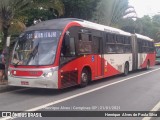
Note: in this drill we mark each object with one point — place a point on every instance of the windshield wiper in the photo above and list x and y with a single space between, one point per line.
16 64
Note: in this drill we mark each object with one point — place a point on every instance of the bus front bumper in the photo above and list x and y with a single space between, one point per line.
50 82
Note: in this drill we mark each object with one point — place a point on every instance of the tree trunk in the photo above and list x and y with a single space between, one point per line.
6 48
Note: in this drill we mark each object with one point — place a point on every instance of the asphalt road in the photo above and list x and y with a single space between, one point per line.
139 91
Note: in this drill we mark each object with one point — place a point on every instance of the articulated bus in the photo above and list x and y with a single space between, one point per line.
65 52
157 46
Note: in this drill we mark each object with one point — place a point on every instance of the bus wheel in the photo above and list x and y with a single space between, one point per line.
84 78
148 65
126 69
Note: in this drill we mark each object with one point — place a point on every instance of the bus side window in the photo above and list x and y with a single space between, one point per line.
72 47
140 46
68 46
110 44
84 43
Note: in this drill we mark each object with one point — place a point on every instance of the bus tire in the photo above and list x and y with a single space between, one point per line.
148 65
126 69
84 78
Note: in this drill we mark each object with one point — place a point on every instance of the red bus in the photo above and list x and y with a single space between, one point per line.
65 52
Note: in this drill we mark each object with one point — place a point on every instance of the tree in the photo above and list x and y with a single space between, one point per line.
146 26
55 6
110 12
9 9
16 27
82 9
128 25
43 10
156 20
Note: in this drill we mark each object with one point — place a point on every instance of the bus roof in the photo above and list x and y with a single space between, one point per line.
143 37
52 24
62 22
103 28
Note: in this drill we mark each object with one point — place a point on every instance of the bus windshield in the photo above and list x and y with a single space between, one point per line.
36 48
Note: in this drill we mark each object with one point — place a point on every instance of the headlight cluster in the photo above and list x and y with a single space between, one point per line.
49 74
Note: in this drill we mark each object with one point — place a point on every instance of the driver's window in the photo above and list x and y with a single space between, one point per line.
68 46
68 51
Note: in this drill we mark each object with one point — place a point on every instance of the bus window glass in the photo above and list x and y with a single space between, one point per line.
36 48
68 46
72 46
139 45
85 44
96 44
110 45
85 37
111 48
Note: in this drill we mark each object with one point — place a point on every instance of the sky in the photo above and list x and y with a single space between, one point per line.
146 7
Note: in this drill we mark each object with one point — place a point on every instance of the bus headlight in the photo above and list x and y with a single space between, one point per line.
49 74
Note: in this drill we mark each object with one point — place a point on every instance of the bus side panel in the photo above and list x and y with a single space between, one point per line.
70 73
115 63
144 58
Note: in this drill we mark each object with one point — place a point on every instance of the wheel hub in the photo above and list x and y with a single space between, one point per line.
84 77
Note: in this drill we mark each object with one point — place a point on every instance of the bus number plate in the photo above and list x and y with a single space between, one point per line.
24 83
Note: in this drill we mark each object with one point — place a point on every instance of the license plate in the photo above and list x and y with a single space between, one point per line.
24 83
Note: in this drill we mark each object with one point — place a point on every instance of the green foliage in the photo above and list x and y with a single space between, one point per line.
146 26
156 20
35 14
82 9
110 12
16 27
9 10
127 25
50 9
107 12
52 5
42 9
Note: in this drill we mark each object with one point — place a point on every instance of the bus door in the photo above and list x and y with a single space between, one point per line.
134 52
99 58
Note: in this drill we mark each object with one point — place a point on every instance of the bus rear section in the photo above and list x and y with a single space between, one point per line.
143 52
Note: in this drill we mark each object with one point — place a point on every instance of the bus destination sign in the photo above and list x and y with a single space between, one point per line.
41 34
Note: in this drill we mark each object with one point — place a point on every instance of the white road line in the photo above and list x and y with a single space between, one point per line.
156 108
83 93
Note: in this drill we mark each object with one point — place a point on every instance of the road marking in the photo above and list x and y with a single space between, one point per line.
80 94
156 108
